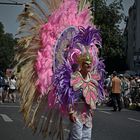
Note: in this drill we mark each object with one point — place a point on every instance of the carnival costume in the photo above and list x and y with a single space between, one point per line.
53 45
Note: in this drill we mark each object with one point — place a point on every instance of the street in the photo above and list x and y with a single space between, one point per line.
107 125
124 125
64 57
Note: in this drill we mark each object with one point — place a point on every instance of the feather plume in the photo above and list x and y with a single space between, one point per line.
52 5
40 9
40 30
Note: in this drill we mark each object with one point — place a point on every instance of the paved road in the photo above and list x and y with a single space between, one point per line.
124 125
11 124
108 125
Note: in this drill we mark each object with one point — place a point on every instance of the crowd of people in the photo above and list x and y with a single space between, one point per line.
122 90
7 89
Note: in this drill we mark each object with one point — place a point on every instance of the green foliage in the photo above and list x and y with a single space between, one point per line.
1 29
7 49
107 18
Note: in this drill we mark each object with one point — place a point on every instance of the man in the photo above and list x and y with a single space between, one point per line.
2 83
81 114
12 89
116 92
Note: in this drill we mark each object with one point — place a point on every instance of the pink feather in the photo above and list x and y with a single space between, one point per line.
66 15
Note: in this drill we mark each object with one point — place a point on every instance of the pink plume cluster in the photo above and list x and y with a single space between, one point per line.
66 15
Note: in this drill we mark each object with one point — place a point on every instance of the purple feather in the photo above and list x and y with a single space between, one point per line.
87 36
64 92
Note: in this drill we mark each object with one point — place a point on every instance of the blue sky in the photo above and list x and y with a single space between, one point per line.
8 14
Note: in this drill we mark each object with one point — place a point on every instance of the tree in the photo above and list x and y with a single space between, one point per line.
107 18
1 29
7 49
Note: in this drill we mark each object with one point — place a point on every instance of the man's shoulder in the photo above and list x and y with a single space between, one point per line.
75 74
113 78
116 78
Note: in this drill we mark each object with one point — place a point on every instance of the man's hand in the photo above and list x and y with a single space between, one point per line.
91 112
72 117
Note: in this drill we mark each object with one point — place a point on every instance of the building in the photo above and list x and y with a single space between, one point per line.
132 37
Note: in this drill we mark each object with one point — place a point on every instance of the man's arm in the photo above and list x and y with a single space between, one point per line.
71 112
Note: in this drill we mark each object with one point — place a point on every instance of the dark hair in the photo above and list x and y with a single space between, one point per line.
13 76
114 73
74 67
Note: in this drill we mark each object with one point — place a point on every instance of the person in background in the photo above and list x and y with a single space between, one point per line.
116 92
107 84
1 95
6 89
2 83
12 88
133 87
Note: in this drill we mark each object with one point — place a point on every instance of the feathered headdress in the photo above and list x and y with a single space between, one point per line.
52 46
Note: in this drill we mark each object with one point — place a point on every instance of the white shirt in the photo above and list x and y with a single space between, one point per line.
12 84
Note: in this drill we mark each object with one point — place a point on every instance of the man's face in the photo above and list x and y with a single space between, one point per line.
86 66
